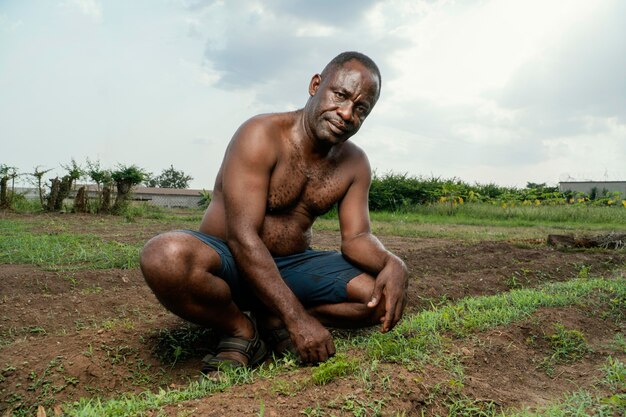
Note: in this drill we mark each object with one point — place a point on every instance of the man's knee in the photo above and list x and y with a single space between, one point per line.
163 259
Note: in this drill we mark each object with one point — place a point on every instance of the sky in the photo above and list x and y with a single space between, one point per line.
493 91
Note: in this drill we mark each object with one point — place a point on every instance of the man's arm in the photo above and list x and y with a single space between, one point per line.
246 175
362 248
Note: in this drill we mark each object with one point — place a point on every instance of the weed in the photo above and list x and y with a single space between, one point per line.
615 373
619 343
116 323
119 353
566 346
336 367
467 407
37 330
177 344
312 412
360 408
282 387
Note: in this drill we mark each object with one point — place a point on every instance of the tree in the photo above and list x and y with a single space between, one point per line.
104 181
169 178
6 173
38 174
60 189
125 178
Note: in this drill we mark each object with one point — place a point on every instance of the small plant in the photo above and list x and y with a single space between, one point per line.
312 412
205 199
334 368
566 345
615 373
467 407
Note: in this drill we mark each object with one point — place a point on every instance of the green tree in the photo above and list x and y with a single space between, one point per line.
38 174
6 173
169 178
104 181
60 189
125 177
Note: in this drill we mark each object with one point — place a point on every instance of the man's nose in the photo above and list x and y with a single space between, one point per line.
345 111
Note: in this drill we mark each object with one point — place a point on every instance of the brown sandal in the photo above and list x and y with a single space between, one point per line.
254 349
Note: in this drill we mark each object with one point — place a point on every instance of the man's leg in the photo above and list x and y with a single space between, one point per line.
353 313
180 270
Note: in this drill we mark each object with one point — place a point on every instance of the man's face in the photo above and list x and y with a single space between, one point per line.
340 101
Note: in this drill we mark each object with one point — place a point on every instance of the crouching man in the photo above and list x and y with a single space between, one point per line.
252 252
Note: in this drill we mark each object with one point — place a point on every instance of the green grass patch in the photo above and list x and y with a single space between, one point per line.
336 367
480 221
420 334
66 251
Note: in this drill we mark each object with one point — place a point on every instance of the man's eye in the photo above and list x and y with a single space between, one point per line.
340 95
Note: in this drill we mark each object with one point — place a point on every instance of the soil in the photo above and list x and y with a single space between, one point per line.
73 334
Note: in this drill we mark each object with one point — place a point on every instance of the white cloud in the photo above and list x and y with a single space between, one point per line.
89 8
9 25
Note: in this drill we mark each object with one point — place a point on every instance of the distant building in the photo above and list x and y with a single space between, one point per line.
588 186
162 197
167 197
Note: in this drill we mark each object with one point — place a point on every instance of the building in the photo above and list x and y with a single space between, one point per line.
167 197
162 197
587 187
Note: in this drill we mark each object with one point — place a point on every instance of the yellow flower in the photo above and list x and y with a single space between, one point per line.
610 202
503 205
537 202
624 203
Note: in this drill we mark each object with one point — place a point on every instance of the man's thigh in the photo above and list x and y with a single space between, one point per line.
318 277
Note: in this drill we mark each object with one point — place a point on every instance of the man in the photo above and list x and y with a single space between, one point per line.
279 173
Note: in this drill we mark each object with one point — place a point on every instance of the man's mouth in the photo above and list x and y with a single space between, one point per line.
338 129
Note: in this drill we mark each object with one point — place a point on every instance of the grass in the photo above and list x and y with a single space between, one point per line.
415 338
422 338
477 221
66 251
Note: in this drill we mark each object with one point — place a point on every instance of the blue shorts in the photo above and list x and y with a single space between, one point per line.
315 277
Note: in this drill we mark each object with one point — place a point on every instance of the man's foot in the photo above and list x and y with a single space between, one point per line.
279 341
237 352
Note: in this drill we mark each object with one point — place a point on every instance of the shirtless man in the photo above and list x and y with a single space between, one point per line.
280 172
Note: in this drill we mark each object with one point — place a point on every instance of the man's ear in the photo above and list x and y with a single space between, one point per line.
314 84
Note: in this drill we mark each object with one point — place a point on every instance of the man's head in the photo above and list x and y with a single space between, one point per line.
344 57
341 97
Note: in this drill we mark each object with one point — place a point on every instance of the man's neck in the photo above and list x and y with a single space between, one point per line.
312 147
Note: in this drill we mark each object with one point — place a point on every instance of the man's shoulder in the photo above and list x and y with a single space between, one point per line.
270 121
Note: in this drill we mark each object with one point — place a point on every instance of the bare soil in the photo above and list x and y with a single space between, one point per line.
85 333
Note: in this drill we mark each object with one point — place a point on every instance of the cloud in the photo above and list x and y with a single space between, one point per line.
7 24
89 8
276 47
581 76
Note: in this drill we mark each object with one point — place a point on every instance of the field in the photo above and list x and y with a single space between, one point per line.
497 324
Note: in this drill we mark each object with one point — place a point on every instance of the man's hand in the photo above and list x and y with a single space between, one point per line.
391 284
311 339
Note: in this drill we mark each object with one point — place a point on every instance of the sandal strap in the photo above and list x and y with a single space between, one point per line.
236 344
253 349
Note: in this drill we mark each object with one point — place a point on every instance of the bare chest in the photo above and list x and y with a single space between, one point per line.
313 188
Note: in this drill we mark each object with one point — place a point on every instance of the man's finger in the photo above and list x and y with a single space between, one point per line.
376 295
389 311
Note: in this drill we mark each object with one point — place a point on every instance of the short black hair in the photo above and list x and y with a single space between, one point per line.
344 57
